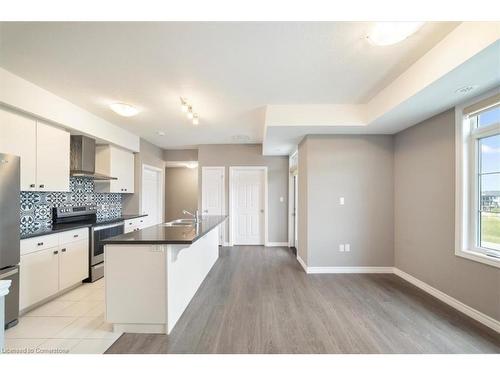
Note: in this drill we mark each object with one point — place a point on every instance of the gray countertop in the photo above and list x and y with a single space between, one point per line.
160 234
55 228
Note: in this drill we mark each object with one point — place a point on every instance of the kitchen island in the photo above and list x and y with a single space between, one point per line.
152 274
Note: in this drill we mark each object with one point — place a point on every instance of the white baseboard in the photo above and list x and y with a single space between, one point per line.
302 263
456 304
276 244
312 270
349 270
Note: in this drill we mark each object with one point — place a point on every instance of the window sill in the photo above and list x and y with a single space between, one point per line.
478 257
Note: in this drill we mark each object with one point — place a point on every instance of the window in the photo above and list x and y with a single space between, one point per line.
478 181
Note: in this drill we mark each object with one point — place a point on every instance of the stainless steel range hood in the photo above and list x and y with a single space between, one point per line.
82 158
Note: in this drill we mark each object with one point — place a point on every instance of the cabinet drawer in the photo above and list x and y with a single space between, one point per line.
74 235
30 245
131 223
137 222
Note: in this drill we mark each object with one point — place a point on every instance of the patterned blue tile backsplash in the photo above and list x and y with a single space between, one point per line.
36 207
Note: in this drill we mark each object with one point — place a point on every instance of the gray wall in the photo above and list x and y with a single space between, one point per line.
360 169
151 155
251 155
181 192
180 155
425 217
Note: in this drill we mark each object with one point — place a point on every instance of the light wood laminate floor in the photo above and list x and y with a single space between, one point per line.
259 300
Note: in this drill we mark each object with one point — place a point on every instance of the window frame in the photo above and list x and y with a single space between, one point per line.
467 189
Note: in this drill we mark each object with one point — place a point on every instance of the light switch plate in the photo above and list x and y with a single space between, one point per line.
341 248
341 201
282 200
347 247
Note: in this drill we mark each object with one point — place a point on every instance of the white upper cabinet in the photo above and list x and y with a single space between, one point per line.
18 137
115 162
44 151
52 158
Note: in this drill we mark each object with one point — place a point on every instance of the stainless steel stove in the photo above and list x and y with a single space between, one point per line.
99 230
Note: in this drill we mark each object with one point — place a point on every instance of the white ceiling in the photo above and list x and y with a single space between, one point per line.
229 71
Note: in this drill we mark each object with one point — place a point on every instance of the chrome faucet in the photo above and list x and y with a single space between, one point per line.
196 215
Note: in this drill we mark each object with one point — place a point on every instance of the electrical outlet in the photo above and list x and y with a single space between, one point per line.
341 248
347 247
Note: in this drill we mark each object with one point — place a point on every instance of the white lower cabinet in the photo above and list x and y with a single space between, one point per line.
38 276
73 263
45 271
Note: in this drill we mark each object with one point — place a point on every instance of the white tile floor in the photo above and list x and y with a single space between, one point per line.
72 323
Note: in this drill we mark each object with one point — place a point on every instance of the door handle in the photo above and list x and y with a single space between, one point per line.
10 273
32 185
75 235
39 244
63 250
56 252
42 186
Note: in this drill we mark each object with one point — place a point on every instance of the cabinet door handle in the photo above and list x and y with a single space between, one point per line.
39 244
42 186
63 250
56 252
75 235
32 185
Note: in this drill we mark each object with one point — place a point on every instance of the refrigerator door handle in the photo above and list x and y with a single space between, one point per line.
10 273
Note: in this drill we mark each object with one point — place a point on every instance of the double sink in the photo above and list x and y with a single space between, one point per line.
181 223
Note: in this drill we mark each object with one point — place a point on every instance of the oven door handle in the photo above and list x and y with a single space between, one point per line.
97 229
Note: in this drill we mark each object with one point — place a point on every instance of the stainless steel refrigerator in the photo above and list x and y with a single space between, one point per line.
10 180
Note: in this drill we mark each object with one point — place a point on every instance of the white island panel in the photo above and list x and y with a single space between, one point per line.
187 268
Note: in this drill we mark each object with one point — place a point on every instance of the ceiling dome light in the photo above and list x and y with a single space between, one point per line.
124 109
191 165
196 119
387 33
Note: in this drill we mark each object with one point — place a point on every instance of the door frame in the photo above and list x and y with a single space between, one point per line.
293 187
232 169
161 190
223 169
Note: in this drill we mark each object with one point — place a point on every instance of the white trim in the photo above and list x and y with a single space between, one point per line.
302 263
465 185
456 304
223 240
277 244
161 193
291 201
231 194
312 270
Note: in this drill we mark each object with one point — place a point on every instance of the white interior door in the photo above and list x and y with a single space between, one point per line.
248 200
213 194
152 195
